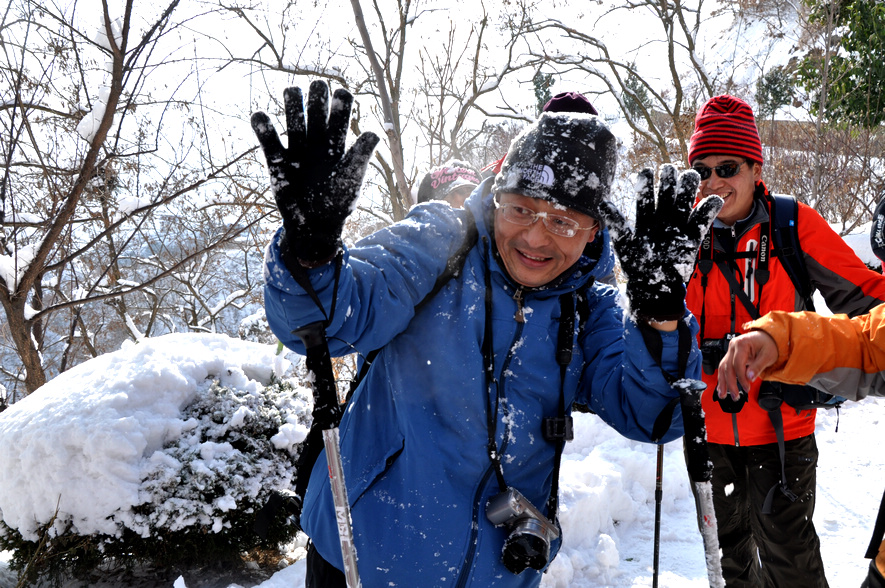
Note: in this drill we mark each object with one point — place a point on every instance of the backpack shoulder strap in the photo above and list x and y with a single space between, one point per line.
456 262
454 265
784 212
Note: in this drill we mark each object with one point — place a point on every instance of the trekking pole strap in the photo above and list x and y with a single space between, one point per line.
326 409
655 345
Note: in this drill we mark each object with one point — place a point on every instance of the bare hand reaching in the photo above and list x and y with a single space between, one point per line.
747 356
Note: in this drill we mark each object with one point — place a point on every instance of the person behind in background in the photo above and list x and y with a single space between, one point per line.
562 102
452 182
464 412
839 355
763 499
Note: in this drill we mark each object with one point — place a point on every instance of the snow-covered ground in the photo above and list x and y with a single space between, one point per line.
608 507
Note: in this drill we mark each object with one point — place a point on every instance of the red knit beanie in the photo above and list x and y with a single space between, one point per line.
725 126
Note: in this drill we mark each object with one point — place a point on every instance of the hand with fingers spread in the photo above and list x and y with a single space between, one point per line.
314 181
748 356
658 255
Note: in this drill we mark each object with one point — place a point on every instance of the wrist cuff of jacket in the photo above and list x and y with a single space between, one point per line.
658 307
658 317
300 257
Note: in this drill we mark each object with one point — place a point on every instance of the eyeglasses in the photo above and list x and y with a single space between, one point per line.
555 223
724 171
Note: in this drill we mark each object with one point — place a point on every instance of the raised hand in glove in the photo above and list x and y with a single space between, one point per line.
658 255
313 180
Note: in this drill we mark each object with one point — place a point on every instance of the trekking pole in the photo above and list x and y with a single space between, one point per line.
659 495
326 414
700 471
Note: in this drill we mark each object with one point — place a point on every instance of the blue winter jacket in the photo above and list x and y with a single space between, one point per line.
414 438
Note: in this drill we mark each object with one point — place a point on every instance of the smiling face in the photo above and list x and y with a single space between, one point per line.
737 191
532 254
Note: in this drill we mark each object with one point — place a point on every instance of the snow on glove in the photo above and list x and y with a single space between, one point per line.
314 181
658 255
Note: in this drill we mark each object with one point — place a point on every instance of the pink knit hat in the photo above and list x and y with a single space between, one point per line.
725 126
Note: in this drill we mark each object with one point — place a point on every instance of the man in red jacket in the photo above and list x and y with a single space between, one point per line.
763 497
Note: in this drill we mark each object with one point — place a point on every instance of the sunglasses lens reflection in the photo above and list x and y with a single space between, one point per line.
724 171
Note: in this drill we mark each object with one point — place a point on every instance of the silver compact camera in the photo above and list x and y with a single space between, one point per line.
528 545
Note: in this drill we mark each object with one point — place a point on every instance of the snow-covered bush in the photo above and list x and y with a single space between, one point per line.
234 448
161 453
255 328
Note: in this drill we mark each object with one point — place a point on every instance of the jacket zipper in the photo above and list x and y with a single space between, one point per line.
519 316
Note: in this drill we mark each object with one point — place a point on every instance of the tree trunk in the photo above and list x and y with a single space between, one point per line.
401 200
25 346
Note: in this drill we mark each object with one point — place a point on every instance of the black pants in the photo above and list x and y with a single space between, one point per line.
322 574
775 550
874 578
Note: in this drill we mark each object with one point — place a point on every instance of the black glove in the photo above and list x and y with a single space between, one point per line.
877 231
658 255
314 181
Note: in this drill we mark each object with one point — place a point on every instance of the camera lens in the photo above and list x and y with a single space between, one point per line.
730 405
526 547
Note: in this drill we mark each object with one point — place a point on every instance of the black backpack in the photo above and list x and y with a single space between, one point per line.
784 212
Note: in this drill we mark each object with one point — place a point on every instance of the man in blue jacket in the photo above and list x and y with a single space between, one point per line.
465 410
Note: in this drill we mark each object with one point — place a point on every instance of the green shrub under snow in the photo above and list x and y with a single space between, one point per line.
234 442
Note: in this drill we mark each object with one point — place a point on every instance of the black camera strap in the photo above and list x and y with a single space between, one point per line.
557 429
488 355
777 420
738 291
711 257
562 431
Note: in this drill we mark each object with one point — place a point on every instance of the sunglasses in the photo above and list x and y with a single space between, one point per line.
724 171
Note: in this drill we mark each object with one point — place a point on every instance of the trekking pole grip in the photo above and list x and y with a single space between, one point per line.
326 407
700 469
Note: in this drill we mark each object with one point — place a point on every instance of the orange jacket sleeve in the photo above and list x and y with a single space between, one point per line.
839 355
